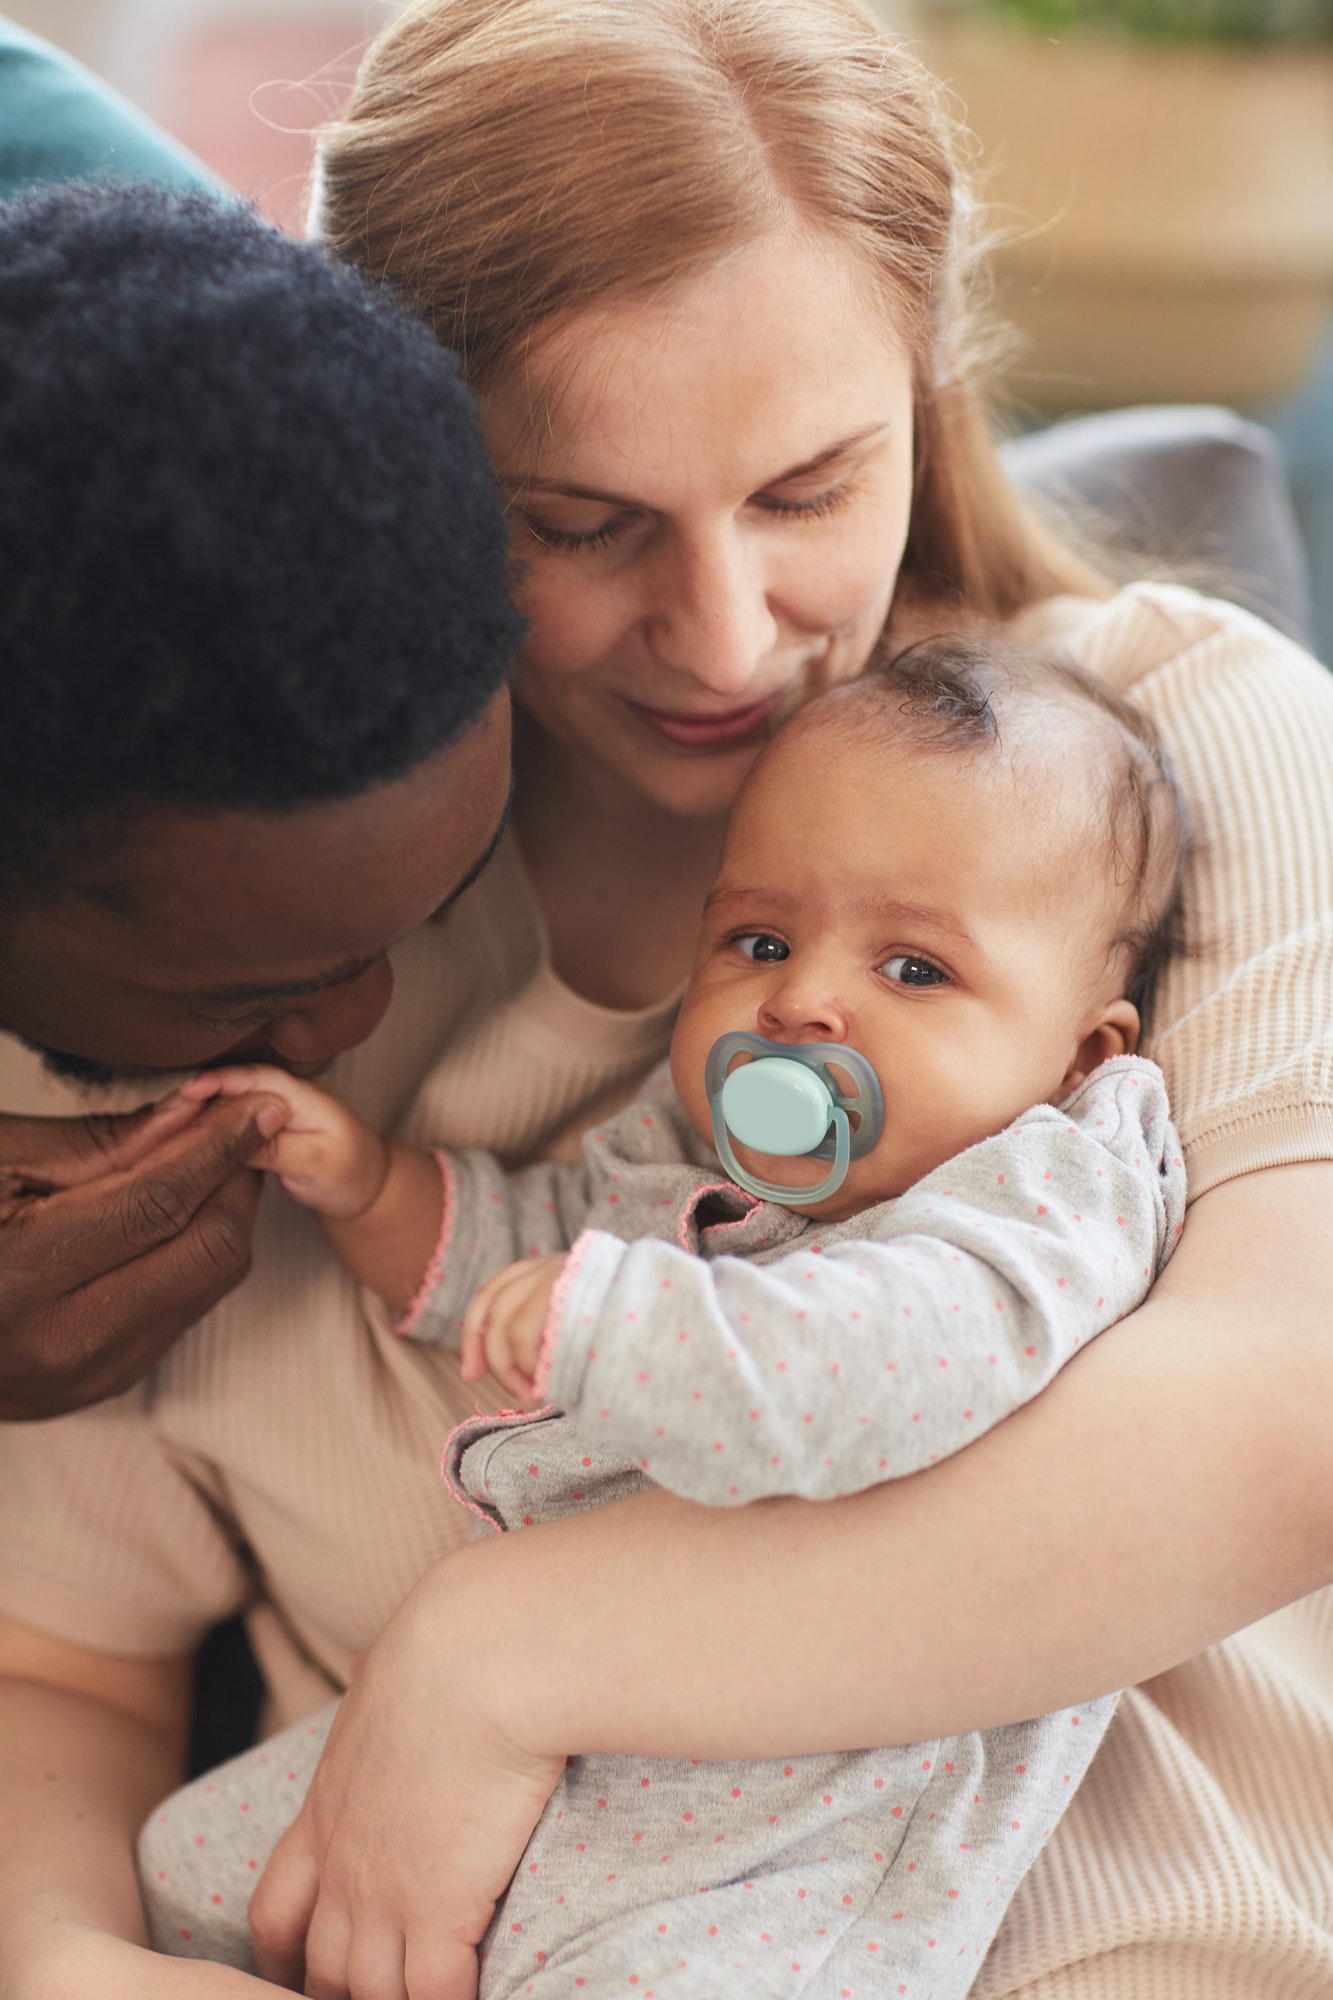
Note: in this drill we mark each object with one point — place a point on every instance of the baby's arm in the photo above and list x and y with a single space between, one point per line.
830 1370
424 1230
380 1201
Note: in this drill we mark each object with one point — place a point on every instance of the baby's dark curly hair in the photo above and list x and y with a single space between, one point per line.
964 693
251 553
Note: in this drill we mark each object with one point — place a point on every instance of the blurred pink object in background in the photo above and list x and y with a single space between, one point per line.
247 97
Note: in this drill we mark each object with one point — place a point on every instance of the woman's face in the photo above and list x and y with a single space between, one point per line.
709 511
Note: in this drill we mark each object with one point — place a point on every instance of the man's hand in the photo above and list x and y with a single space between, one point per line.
502 1328
115 1235
324 1155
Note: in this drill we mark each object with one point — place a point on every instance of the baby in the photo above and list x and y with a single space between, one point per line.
945 893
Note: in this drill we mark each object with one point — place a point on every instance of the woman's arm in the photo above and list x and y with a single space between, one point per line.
88 1743
1171 1485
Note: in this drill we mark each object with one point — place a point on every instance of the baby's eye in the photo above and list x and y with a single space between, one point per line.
762 947
910 971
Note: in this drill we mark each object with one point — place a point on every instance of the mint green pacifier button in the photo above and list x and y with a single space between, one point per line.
776 1106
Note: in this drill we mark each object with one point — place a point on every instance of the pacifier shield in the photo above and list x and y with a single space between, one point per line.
791 1099
776 1106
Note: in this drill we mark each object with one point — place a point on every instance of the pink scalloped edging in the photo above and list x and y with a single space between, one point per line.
698 1194
541 1374
483 1423
435 1269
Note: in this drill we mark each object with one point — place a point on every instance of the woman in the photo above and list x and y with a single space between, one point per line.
707 265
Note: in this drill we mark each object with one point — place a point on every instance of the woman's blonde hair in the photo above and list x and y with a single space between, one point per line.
506 163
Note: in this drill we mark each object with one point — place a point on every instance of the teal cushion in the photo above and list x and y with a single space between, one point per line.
59 123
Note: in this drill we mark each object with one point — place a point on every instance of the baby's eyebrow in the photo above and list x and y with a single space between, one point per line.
941 923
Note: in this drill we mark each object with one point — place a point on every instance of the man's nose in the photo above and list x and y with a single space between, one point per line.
711 618
322 1025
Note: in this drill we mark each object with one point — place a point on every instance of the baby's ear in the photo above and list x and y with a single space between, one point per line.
1114 1033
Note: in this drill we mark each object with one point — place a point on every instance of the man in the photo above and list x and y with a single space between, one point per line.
254 635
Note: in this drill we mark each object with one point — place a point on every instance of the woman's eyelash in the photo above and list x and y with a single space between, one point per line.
577 541
809 510
568 539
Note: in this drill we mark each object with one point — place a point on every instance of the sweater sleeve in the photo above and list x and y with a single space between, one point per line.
492 1218
849 1361
1242 1024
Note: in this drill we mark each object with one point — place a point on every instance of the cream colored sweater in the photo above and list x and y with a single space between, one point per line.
284 1456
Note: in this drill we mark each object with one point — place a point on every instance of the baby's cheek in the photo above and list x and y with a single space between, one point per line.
689 1054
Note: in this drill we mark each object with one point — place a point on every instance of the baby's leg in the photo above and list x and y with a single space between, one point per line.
825 1878
203 1850
732 1880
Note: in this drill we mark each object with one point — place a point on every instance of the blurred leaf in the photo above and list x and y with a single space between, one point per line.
1257 22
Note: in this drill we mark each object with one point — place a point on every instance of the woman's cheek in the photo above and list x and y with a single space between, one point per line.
572 620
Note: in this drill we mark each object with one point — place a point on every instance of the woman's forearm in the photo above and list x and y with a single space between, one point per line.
1169 1487
78 1777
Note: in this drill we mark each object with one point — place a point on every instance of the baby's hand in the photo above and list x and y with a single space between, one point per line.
502 1328
324 1156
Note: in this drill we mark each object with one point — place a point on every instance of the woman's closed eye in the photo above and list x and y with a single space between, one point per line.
812 507
576 540
906 969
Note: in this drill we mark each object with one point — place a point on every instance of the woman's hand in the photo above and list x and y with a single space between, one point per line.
115 1235
419 1812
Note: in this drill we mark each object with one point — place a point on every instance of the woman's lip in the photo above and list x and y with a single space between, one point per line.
707 732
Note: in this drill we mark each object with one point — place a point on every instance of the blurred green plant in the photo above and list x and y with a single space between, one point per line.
1255 22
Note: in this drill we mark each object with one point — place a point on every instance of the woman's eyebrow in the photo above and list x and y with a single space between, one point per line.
524 482
830 452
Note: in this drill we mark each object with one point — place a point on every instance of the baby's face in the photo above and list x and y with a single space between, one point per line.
932 909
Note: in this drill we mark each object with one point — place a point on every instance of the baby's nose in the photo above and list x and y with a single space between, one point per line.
804 1011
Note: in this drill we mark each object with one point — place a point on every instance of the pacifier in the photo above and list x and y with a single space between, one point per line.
787 1100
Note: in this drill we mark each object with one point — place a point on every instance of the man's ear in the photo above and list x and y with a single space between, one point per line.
1115 1032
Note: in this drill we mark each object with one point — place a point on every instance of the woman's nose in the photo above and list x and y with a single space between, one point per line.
320 1026
712 620
804 1009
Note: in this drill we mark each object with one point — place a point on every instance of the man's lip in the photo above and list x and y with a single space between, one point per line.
708 731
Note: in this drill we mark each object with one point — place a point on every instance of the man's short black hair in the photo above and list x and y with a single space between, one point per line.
251 553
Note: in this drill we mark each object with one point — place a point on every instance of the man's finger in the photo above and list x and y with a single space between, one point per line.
104 1336
64 1152
103 1224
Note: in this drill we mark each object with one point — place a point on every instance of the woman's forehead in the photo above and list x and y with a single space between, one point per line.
773 348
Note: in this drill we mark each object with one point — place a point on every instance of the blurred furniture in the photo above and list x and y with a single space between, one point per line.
1196 488
1161 191
59 122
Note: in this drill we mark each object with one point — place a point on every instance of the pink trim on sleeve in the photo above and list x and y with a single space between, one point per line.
481 1425
555 1307
435 1269
698 1194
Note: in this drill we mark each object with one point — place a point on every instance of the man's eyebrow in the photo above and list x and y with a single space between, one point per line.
520 482
294 989
352 968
